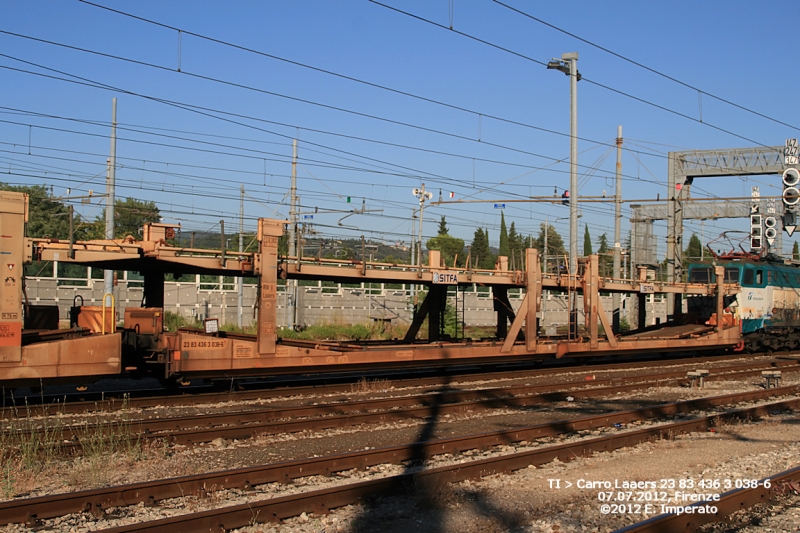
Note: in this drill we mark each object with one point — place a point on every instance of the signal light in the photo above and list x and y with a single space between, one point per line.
756 242
791 177
791 194
791 199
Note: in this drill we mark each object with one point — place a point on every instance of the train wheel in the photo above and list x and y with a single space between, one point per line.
751 345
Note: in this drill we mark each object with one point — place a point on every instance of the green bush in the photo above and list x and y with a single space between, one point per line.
173 321
339 332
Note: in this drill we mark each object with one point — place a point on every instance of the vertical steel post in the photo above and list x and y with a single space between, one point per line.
422 195
291 285
615 299
72 234
108 275
422 199
413 260
240 299
572 59
544 256
719 272
222 242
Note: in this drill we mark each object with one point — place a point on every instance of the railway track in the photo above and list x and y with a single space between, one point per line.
59 405
729 503
247 423
33 510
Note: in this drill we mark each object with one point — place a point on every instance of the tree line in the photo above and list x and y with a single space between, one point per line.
513 245
48 217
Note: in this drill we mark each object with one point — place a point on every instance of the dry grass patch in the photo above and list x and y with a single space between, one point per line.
371 385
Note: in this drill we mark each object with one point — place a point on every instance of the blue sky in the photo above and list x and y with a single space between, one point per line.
375 145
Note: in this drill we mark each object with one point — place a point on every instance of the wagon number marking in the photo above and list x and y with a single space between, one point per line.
203 344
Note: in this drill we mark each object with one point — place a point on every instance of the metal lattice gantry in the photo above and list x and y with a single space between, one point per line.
643 242
685 166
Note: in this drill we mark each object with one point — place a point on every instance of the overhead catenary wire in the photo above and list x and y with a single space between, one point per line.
465 222
584 78
261 154
480 114
437 102
208 112
647 68
122 126
633 178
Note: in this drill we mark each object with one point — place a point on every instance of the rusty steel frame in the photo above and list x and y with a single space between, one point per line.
31 509
191 354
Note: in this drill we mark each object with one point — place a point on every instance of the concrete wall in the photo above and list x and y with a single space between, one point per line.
316 305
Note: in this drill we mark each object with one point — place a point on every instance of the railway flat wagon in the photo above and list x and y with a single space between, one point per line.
32 348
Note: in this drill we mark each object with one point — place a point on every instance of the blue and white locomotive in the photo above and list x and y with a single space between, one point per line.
768 306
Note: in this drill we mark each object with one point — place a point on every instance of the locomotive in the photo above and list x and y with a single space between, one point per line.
768 305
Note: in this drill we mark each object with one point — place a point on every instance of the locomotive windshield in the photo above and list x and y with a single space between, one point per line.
706 275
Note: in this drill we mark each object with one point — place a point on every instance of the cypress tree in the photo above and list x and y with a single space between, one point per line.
442 227
587 241
503 236
514 240
482 257
694 249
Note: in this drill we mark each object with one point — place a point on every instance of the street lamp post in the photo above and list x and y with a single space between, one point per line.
422 195
568 64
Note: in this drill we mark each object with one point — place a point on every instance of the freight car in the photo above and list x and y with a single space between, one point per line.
768 306
34 350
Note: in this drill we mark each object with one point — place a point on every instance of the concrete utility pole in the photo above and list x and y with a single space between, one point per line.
291 285
241 249
617 232
108 275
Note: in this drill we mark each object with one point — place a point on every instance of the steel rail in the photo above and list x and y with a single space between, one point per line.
248 423
729 502
31 510
57 407
234 516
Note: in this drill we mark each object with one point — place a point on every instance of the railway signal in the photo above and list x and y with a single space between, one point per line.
756 243
791 197
770 231
756 229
